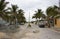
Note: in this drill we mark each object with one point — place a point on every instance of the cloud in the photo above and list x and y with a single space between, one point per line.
33 5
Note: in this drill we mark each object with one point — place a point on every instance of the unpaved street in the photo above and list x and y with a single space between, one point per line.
34 32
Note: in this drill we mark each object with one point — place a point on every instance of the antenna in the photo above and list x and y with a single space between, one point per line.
59 3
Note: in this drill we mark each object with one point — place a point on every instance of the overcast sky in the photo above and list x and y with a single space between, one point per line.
33 5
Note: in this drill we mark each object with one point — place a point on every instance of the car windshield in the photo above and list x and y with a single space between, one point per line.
42 22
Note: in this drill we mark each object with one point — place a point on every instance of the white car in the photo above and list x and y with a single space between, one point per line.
42 23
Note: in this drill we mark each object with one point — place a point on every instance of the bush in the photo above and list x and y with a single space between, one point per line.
9 29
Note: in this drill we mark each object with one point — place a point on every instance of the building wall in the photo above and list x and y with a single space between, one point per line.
57 25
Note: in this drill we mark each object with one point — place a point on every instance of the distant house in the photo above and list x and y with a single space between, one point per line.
57 21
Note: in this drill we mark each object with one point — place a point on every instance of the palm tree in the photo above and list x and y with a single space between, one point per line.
14 12
44 16
38 14
51 13
3 5
20 16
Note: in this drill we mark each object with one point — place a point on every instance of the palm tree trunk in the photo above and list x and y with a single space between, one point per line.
36 21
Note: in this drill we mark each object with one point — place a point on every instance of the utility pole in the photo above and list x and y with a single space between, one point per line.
29 25
29 17
59 3
59 6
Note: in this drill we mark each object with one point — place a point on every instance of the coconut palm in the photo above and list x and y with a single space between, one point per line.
43 16
13 10
38 14
51 13
20 16
3 5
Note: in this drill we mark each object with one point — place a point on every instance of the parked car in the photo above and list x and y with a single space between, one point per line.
42 24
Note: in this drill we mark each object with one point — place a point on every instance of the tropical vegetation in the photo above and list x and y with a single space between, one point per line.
39 14
14 15
51 12
11 15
